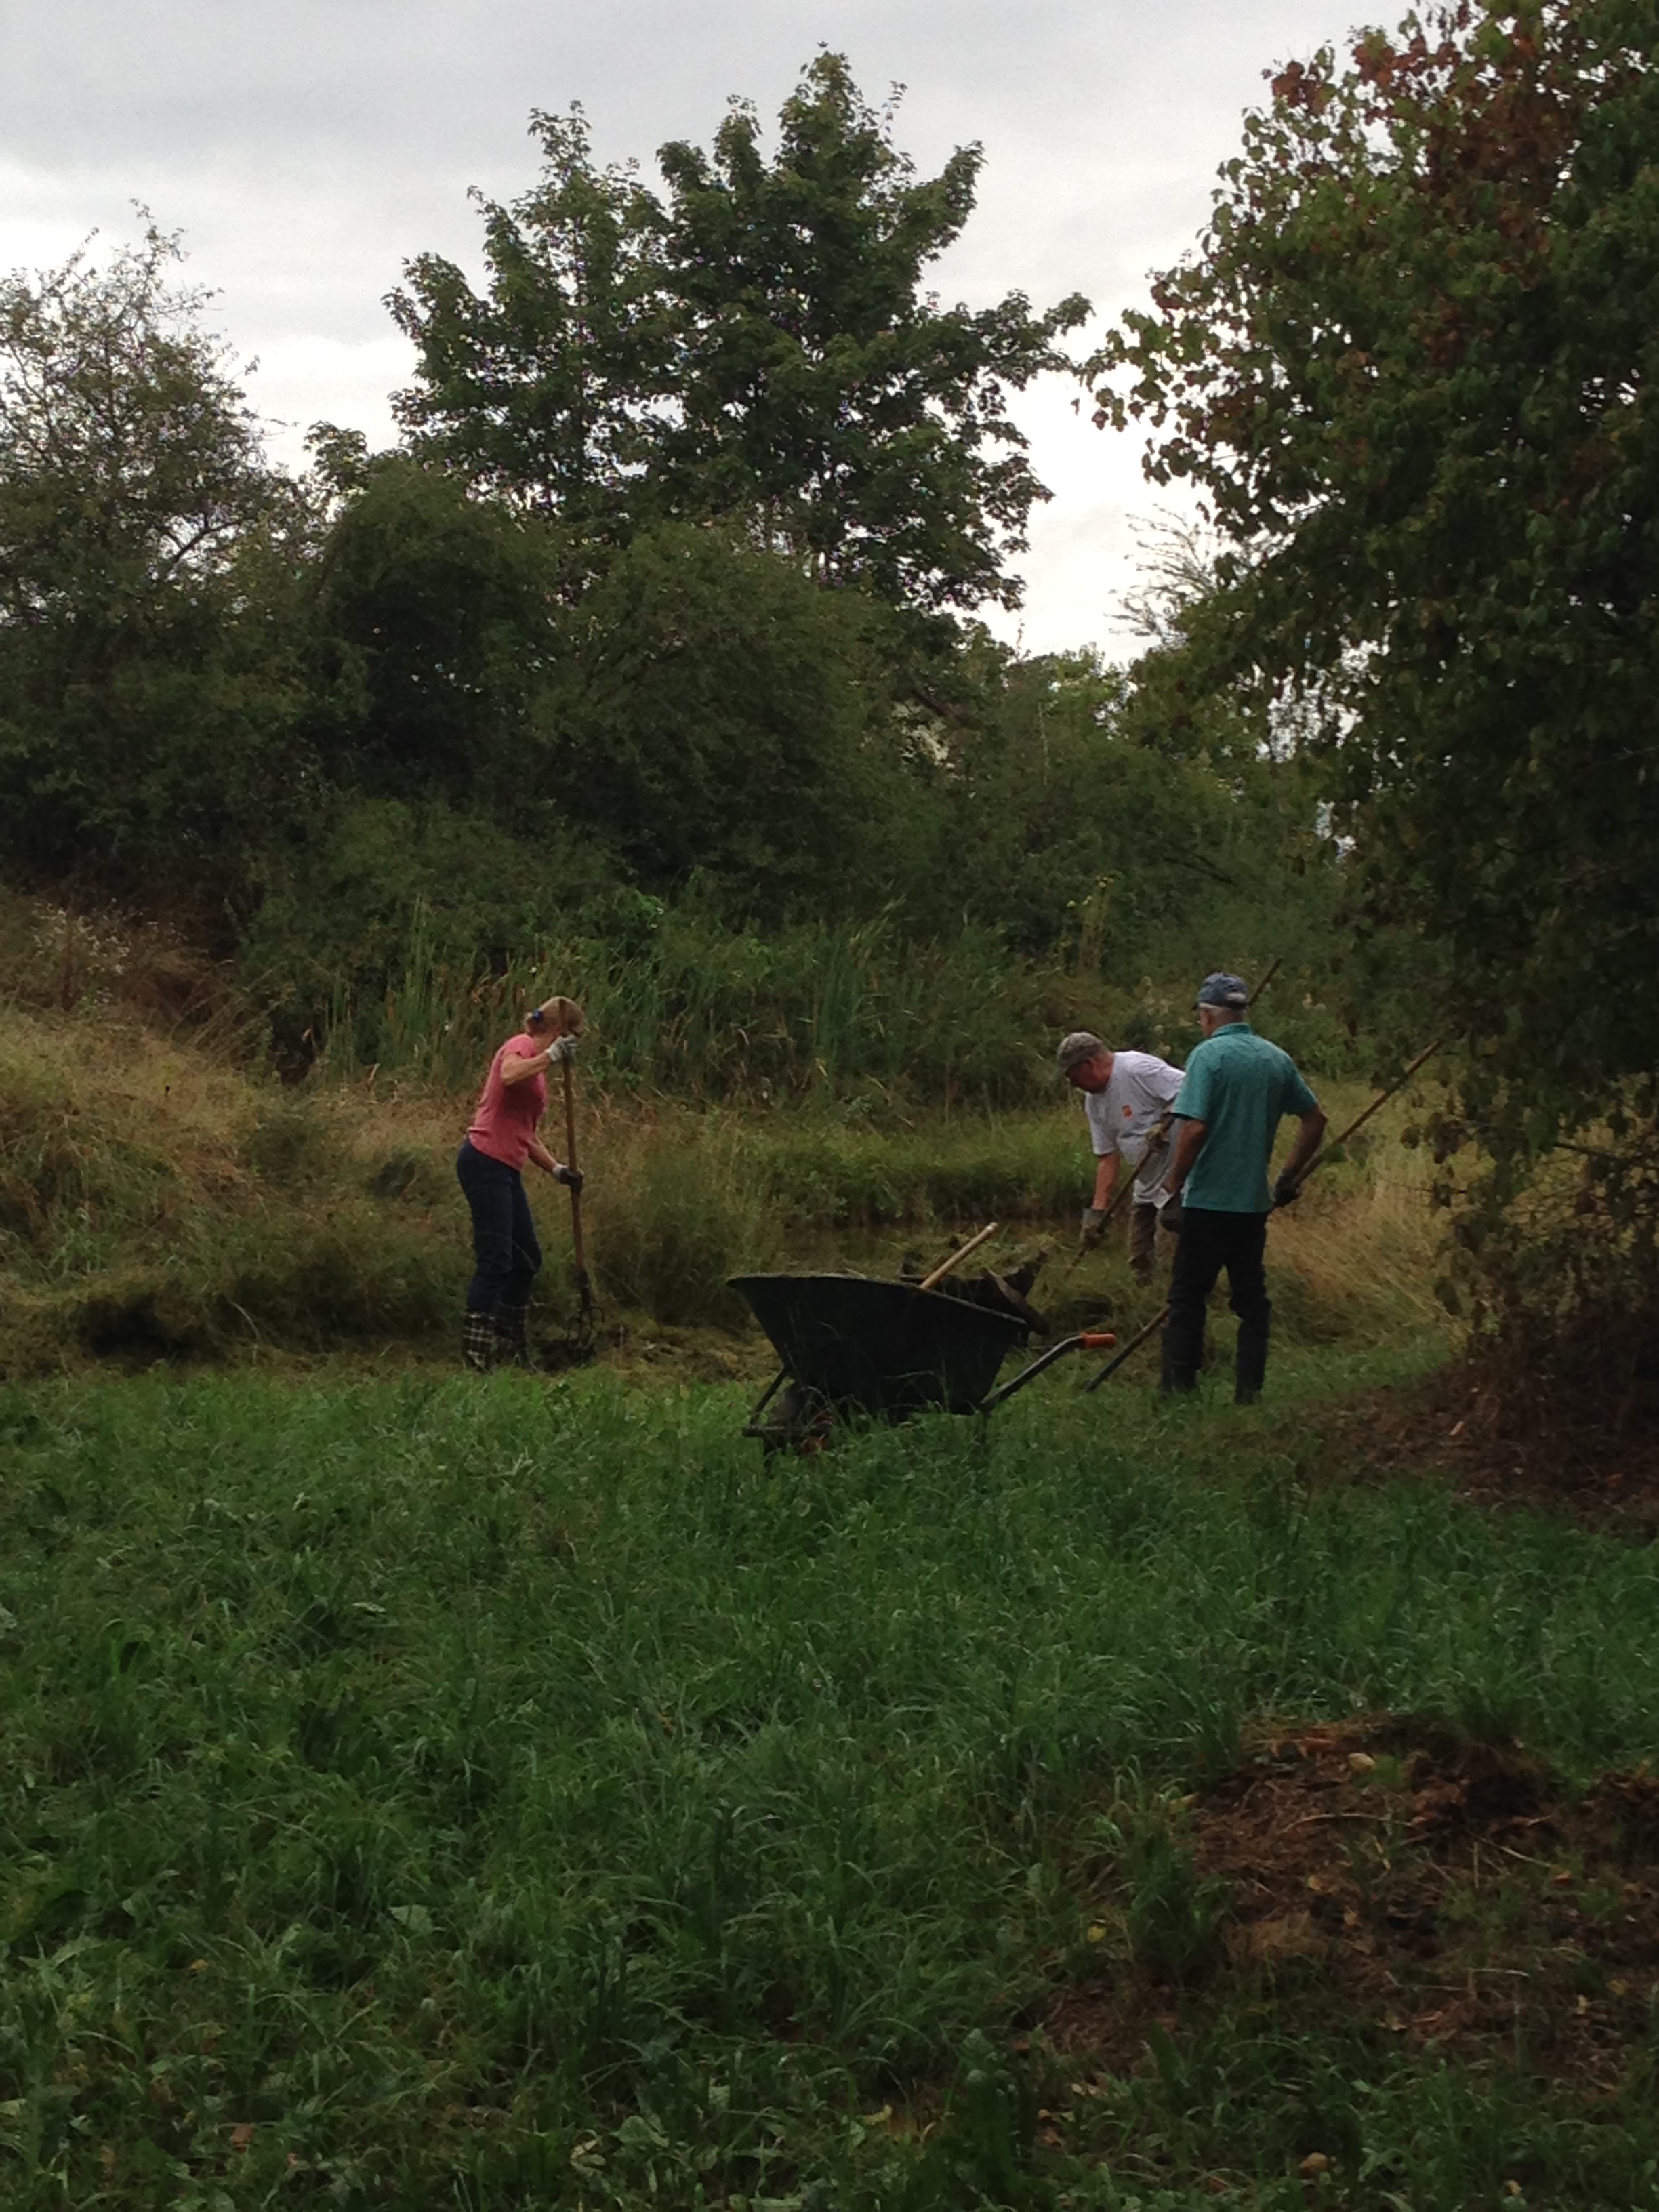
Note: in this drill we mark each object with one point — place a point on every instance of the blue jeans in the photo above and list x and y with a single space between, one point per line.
504 1246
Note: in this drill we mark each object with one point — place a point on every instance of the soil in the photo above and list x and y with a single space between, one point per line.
1445 1424
1451 1892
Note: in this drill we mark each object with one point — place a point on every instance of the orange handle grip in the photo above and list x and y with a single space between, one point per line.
1090 1340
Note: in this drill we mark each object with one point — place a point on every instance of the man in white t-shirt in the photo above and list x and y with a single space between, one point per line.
1127 1097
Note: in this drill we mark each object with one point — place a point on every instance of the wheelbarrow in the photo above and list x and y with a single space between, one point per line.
856 1347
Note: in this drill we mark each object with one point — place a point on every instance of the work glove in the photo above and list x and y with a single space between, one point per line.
1169 1216
1093 1229
1287 1189
570 1178
561 1050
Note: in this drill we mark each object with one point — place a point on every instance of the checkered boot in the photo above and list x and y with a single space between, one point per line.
478 1342
512 1342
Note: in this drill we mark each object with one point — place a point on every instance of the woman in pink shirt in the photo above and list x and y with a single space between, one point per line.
490 1170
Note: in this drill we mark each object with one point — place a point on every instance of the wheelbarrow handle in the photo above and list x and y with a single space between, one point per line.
1089 1341
1132 1347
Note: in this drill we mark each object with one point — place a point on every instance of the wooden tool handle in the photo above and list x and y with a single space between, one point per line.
957 1258
570 1162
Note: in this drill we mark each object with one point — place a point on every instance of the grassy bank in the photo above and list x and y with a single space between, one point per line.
504 1795
159 1201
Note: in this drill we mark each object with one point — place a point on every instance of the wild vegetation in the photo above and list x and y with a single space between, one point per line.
1406 365
426 1791
161 1200
434 1792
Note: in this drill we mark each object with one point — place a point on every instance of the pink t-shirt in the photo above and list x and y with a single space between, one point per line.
504 1120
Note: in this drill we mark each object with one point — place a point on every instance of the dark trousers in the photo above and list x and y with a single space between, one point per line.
1208 1242
504 1246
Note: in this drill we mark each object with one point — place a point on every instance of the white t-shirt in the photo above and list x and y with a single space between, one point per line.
1142 1090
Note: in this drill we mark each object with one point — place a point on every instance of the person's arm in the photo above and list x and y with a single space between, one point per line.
1190 1142
1106 1168
1310 1131
514 1070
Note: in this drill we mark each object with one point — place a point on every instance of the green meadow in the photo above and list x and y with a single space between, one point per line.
504 1793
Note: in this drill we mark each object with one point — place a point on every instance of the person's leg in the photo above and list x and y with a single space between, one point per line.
1199 1251
1247 1294
487 1186
512 1308
1143 1233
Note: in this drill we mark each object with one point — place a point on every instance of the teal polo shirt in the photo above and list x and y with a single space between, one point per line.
1240 1087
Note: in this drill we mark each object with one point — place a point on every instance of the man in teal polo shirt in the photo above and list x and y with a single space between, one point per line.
1237 1090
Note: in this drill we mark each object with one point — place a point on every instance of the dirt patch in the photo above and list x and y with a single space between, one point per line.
1444 1425
1450 1893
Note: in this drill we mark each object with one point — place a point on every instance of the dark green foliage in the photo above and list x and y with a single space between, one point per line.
432 630
714 715
820 390
639 663
546 391
756 348
1410 367
147 679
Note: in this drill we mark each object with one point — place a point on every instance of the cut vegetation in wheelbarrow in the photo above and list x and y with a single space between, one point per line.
853 1347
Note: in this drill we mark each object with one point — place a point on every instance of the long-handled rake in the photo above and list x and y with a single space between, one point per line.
581 1343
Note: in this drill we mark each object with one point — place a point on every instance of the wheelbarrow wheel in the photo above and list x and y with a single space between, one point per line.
798 1422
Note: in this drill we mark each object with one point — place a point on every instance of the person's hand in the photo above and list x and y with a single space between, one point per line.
570 1178
561 1050
1092 1229
1169 1215
1287 1189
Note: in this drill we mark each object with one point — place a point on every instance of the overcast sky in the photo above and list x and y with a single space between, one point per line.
306 148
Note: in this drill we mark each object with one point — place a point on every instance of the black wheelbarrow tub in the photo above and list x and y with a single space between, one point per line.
882 1348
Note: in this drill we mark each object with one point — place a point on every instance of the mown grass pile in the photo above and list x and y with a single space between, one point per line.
498 1794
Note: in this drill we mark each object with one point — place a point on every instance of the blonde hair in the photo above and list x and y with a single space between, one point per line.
566 1012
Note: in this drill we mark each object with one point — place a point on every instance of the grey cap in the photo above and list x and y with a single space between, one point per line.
1224 990
1081 1045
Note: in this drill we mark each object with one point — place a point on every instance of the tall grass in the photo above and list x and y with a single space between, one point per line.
686 1007
465 1795
157 1202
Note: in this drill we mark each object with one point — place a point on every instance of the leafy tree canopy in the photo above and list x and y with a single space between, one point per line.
130 463
1411 367
756 346
144 658
431 629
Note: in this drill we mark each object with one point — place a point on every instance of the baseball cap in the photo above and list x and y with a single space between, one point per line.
1224 990
1081 1045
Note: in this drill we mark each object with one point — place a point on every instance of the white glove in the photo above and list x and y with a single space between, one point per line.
561 1050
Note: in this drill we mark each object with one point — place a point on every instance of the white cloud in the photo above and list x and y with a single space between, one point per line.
306 151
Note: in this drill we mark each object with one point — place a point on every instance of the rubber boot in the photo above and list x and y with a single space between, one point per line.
478 1342
1176 1379
512 1335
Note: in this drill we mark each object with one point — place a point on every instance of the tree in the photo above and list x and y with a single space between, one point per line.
819 391
712 713
549 389
755 349
432 615
138 688
1412 366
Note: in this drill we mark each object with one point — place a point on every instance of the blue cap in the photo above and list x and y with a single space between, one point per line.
1224 990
